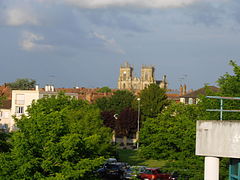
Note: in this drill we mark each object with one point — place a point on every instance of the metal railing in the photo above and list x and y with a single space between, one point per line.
221 110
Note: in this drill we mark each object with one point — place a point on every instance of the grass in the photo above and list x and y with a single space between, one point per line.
131 157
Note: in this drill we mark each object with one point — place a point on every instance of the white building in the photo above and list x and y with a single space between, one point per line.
21 99
5 114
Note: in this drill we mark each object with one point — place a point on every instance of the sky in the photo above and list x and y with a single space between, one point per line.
83 43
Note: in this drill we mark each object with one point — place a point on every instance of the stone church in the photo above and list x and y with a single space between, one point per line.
127 80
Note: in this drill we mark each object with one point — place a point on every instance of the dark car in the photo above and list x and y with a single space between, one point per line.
156 174
113 170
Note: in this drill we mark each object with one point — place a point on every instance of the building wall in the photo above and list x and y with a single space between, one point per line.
5 115
21 99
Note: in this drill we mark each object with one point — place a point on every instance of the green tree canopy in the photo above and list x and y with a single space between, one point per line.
171 136
153 100
119 101
22 84
4 142
60 138
230 84
104 89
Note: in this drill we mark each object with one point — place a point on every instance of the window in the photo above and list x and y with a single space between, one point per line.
190 101
124 86
20 99
19 109
4 114
182 100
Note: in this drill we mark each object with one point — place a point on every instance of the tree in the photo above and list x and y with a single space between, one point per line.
153 100
171 136
120 100
22 84
4 142
60 138
230 84
103 104
120 104
127 122
229 87
104 89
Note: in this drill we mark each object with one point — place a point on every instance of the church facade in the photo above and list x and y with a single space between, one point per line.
127 80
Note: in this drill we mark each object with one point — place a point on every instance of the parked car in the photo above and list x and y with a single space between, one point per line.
114 170
111 160
156 174
134 172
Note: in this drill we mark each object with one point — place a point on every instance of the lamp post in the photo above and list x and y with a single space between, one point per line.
114 133
138 122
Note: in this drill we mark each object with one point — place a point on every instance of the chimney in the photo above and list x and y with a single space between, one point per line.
164 78
184 89
36 87
165 82
51 88
47 88
181 90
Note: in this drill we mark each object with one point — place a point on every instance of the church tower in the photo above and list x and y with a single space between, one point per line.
147 76
125 76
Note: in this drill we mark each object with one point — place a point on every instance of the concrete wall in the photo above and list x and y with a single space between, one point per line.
218 138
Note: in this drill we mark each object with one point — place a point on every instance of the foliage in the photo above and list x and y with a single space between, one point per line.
108 119
230 87
127 122
4 142
160 136
230 84
153 100
119 103
120 100
104 89
171 136
61 138
104 104
22 84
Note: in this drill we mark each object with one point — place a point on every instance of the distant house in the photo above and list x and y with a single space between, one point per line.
193 97
5 107
5 115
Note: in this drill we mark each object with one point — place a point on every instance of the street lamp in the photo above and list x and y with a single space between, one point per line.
138 122
114 133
